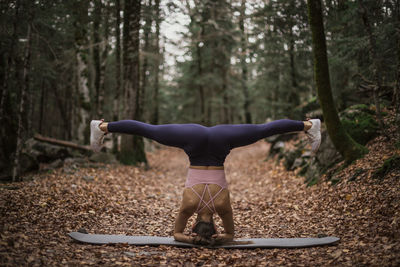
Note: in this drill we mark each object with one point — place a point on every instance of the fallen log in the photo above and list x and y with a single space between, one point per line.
61 142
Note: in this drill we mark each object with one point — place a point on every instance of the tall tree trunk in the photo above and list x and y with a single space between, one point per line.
396 94
376 63
146 51
293 96
346 146
243 41
96 56
42 106
24 93
104 55
132 147
200 73
155 119
117 96
81 71
9 62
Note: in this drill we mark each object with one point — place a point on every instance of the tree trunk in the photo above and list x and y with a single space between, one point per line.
346 146
117 97
96 56
243 39
376 63
81 71
42 106
293 96
24 92
146 51
155 119
396 94
132 147
9 62
103 61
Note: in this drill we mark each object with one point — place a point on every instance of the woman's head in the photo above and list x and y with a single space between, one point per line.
204 229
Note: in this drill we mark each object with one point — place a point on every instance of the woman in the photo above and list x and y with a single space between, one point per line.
206 190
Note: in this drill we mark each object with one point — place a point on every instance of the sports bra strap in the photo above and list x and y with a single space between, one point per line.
211 200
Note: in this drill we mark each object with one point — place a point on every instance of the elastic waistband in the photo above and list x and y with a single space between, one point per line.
209 176
207 167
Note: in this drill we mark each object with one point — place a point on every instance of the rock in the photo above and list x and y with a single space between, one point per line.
103 157
44 152
359 122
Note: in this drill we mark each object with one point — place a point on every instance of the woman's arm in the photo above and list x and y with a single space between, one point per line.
226 215
180 224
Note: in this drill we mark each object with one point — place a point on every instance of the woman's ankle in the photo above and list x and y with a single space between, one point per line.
103 126
307 125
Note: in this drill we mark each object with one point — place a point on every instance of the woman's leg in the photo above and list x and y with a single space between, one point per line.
177 135
246 134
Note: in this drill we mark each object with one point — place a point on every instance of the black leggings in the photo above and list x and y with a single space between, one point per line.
207 146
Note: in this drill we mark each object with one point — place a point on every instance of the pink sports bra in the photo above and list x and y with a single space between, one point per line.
196 176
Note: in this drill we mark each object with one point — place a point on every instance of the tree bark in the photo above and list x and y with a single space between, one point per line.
117 95
132 147
347 147
103 60
293 96
61 142
24 92
243 41
146 51
155 119
9 62
396 94
81 71
96 56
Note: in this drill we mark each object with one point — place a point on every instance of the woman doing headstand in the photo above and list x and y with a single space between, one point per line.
206 190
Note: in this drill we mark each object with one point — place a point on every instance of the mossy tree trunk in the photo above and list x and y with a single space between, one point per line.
347 147
132 147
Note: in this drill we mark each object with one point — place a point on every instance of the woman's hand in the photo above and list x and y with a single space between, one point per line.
198 240
222 238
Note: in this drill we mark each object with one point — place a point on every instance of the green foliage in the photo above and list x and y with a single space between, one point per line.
359 122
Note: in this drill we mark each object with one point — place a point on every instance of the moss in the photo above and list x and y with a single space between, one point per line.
133 156
312 181
303 170
397 144
388 165
359 123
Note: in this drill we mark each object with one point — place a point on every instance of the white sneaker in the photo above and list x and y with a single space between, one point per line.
314 134
96 136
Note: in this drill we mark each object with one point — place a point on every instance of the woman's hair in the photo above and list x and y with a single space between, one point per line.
205 229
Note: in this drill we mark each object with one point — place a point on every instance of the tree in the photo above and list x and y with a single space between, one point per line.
24 95
117 95
347 147
155 117
132 147
81 21
243 58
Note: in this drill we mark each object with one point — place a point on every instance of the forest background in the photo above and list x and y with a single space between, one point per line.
64 63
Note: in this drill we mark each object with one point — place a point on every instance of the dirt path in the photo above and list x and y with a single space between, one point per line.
267 201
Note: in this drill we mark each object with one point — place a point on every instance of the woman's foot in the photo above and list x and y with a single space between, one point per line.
96 135
314 134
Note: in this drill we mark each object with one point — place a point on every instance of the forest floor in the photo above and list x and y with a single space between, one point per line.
267 200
